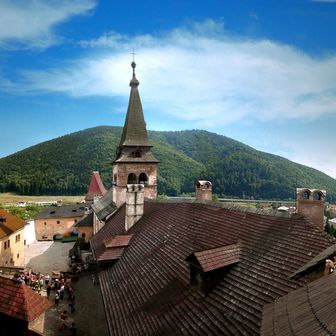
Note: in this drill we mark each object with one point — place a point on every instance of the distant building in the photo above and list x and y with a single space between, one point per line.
58 220
96 188
84 227
11 240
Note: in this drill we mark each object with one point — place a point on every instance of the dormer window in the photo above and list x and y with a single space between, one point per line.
207 267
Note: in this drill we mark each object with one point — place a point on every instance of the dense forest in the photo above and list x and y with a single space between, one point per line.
63 166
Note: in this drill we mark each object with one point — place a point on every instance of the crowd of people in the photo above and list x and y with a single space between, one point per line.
58 288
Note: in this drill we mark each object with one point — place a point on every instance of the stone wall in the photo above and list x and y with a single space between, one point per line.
121 172
46 228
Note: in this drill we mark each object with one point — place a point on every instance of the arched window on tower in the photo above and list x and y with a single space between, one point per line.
143 179
132 179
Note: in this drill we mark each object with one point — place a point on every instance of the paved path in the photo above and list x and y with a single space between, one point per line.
48 256
45 257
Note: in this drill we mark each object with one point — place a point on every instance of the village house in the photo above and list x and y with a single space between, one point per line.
199 267
96 188
59 220
11 240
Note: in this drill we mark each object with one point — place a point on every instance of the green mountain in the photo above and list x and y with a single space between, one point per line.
64 166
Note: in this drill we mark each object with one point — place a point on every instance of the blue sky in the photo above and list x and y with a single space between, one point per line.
261 72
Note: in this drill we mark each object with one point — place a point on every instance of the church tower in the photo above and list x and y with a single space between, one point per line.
134 163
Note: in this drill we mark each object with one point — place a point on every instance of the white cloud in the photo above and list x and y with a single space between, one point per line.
214 79
30 23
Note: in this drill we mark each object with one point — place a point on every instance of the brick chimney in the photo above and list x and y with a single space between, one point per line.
204 191
310 203
134 204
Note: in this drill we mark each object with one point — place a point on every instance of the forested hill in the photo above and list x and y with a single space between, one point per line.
64 166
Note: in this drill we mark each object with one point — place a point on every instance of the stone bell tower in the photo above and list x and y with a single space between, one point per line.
134 163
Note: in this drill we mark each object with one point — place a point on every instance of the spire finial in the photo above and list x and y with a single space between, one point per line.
134 81
133 64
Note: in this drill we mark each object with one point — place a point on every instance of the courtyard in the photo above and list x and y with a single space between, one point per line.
89 315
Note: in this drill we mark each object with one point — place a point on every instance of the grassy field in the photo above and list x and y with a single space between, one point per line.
12 199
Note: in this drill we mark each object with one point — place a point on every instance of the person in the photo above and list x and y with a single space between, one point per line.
57 298
329 267
47 279
61 290
93 278
48 290
72 306
64 315
73 329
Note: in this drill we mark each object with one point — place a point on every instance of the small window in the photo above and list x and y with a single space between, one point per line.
45 223
75 220
132 179
8 243
5 245
317 196
74 210
143 179
83 235
18 256
58 222
52 212
305 195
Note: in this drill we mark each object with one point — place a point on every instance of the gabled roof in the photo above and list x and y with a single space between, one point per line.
219 257
316 261
64 211
118 241
113 248
104 206
9 223
20 301
96 187
306 311
148 291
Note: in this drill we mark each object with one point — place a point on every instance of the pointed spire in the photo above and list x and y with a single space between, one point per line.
134 132
96 187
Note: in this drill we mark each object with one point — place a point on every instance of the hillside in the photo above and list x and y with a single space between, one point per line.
64 165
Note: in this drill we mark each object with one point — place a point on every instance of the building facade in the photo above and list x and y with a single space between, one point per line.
11 240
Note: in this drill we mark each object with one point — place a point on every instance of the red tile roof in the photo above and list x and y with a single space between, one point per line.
117 241
20 301
96 187
112 248
219 257
148 291
9 223
306 311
